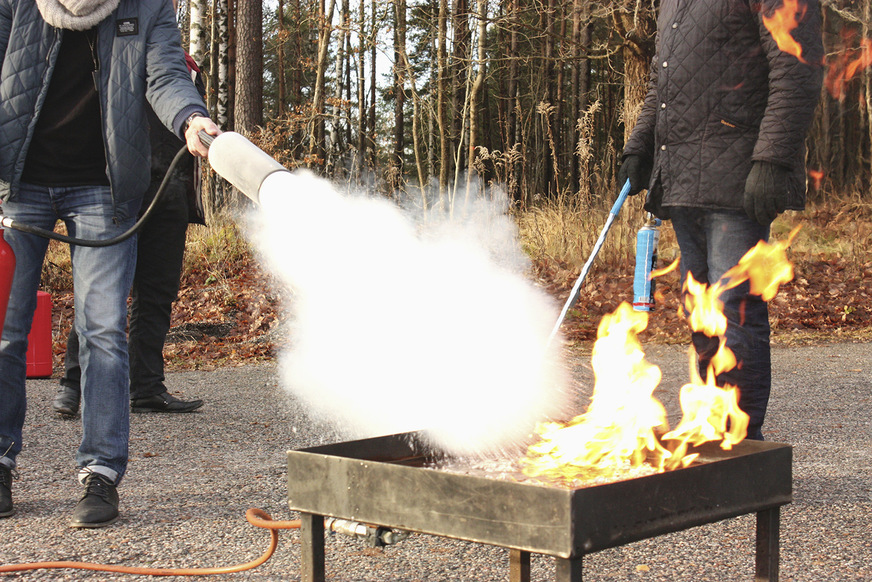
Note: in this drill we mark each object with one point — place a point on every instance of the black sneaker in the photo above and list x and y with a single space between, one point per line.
98 507
164 402
67 401
6 508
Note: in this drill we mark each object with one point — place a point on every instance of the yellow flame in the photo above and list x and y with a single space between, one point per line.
620 427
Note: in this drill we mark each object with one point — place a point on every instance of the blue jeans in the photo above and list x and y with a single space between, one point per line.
101 278
711 242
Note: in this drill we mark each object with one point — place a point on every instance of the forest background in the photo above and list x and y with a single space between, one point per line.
428 101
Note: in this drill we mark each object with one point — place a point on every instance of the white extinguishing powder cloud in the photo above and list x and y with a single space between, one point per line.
401 324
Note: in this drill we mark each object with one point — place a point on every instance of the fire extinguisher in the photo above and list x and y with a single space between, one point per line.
646 261
7 268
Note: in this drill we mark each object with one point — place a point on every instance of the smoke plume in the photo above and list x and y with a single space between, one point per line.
403 321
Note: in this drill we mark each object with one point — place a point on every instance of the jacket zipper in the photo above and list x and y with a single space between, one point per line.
92 36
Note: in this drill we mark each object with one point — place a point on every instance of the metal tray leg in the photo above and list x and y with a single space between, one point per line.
568 569
768 556
312 546
519 566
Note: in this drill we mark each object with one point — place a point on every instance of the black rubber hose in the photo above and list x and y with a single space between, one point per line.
9 223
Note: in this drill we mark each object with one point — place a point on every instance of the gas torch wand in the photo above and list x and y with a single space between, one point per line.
576 289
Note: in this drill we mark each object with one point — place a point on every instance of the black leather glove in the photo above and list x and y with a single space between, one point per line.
638 172
766 192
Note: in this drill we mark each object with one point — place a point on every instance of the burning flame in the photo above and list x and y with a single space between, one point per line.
618 427
845 67
621 425
667 269
782 22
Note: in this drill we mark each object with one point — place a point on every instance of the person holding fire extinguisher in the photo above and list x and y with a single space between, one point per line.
160 252
75 81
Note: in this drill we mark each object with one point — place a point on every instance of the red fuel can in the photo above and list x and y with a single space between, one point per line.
39 345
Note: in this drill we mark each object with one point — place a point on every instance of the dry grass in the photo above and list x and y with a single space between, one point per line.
561 231
564 231
217 250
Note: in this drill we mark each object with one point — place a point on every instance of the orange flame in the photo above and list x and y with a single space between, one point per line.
619 428
782 22
845 67
667 269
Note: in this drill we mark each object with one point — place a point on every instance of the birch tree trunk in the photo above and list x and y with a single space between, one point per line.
373 76
441 89
336 135
223 66
197 35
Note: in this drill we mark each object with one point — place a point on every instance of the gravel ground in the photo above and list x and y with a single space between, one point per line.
193 476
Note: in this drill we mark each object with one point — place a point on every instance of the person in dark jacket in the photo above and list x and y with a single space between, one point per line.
720 147
159 255
76 79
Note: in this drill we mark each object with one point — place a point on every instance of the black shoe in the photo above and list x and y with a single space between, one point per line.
6 508
67 401
165 402
98 507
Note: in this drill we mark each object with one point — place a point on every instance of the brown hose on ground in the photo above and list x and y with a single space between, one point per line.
255 517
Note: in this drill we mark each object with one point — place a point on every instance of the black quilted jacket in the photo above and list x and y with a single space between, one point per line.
721 95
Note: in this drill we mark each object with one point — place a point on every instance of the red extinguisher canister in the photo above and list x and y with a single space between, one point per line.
7 268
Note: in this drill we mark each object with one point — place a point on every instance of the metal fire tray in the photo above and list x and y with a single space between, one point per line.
383 481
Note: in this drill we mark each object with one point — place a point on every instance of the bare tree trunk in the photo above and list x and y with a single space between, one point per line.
212 77
316 123
372 83
361 92
580 84
441 89
459 67
197 34
549 149
431 111
514 106
249 66
475 91
280 57
222 106
336 134
399 93
638 28
867 83
296 71
231 60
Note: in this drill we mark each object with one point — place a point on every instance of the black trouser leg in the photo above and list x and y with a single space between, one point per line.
161 251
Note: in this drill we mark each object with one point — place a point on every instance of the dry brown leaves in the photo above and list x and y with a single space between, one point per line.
227 322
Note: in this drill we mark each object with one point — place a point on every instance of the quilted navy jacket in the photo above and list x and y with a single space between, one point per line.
139 48
722 94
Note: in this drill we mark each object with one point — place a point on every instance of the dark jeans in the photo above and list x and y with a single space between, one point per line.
711 242
160 251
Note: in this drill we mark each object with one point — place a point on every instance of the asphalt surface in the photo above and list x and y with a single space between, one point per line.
193 476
